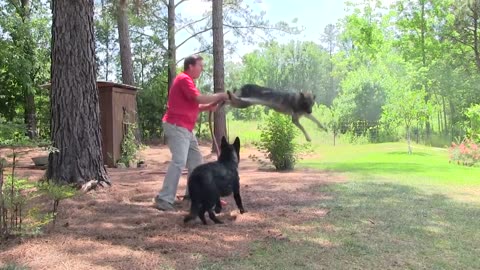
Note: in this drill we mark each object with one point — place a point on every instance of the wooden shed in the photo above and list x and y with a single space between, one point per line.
118 105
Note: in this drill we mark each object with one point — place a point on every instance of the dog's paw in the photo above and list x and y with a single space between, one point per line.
242 211
187 219
218 209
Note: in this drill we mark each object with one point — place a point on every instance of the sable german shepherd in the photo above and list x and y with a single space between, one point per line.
294 104
210 181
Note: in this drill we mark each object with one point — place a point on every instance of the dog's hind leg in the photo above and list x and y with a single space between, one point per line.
297 123
201 215
237 102
188 217
213 217
193 212
319 125
218 206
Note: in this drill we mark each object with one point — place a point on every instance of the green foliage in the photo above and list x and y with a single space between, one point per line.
24 54
56 193
129 147
277 141
473 126
19 215
407 107
249 114
151 103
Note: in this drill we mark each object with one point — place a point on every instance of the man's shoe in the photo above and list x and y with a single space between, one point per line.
163 205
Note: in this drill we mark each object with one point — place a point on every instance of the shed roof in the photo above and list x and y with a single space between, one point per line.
102 84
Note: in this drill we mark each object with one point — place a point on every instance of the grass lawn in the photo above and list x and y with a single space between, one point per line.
395 211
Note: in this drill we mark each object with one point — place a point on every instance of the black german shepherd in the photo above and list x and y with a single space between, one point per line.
295 104
210 181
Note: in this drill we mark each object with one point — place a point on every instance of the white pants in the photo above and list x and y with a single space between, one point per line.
185 152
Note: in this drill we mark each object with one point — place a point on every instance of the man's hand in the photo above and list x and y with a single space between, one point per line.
212 107
209 99
225 97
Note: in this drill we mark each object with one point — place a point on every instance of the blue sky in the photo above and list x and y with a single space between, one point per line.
313 15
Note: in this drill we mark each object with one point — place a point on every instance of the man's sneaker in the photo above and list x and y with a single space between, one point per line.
163 205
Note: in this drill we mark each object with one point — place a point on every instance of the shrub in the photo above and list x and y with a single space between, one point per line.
19 214
129 147
465 153
151 105
276 141
473 126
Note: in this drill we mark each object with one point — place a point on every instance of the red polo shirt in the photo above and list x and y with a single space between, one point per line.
182 105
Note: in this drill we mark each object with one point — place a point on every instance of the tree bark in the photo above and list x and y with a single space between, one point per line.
409 141
30 118
171 50
126 59
423 32
125 44
3 227
75 121
218 67
475 16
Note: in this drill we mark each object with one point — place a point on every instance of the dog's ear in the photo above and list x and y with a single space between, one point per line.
302 95
224 142
236 144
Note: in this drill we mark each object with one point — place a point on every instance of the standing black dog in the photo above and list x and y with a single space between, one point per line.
210 181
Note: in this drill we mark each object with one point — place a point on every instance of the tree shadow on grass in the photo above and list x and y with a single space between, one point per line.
369 167
376 226
405 153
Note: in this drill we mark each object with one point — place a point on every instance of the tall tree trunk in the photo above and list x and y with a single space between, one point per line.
409 141
444 116
30 118
126 59
171 50
125 44
218 66
2 214
107 45
423 32
75 114
475 16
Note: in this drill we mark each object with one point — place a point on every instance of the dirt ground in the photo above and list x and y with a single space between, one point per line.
118 227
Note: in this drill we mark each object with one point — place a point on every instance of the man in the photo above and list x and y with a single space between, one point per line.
184 104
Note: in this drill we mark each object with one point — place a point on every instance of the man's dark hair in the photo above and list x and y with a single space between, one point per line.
191 60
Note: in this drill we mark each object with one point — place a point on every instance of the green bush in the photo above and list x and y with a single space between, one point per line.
151 105
277 141
130 147
473 126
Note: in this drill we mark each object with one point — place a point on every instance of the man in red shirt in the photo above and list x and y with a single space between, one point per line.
184 104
